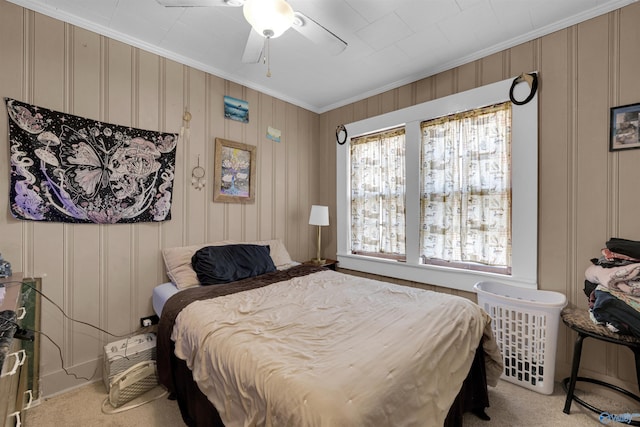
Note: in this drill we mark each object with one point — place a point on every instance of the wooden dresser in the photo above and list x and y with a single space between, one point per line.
14 397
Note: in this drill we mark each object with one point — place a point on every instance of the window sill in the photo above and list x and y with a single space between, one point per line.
447 277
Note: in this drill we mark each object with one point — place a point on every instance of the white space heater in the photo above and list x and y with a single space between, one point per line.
129 368
134 382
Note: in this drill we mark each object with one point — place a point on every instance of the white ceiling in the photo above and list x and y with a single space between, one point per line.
390 42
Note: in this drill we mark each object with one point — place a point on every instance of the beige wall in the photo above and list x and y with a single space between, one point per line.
104 274
586 194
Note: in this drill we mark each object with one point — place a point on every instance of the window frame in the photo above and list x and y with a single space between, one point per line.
377 136
457 118
524 183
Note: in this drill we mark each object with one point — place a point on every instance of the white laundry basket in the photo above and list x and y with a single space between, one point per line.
525 324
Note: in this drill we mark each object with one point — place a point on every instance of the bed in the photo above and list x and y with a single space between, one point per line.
303 345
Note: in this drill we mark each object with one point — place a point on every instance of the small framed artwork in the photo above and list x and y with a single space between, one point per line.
624 127
273 134
234 172
236 109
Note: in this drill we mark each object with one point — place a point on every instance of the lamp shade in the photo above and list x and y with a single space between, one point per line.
270 18
319 215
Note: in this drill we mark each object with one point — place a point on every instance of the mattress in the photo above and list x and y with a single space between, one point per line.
161 294
164 291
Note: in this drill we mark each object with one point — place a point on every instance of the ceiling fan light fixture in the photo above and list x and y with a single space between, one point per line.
270 18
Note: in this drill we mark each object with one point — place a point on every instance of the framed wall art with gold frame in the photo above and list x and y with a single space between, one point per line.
234 172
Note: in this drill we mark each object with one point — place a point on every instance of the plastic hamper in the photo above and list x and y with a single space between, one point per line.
525 325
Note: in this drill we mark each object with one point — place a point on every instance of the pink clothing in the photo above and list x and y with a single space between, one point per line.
625 278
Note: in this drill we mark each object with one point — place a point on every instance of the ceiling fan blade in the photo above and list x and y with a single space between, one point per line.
200 3
317 33
253 49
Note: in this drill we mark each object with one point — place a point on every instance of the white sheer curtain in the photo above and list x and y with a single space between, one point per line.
465 200
378 193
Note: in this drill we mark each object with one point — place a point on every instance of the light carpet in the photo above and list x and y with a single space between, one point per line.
511 405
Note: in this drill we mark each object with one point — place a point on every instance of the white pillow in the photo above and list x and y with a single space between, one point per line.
178 263
278 252
178 260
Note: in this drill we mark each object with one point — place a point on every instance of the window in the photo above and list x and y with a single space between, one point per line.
465 193
481 258
378 194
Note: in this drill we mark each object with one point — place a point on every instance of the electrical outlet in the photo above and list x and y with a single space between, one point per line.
148 321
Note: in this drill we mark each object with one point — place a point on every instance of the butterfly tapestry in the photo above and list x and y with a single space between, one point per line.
66 168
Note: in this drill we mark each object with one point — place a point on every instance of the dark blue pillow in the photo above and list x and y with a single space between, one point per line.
224 264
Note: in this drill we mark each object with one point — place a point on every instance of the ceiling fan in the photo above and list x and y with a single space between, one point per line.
269 19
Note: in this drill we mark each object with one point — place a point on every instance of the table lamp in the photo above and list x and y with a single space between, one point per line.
319 216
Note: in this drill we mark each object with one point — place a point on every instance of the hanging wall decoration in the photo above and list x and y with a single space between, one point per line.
66 168
234 172
624 127
274 134
236 109
197 176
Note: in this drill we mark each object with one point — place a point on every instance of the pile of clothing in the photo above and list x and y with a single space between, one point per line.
612 284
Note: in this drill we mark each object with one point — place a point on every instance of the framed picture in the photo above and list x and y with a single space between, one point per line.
624 127
234 172
236 109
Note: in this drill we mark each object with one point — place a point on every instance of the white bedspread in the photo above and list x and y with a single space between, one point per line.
331 349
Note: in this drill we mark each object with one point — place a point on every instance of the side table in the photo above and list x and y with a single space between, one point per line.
329 263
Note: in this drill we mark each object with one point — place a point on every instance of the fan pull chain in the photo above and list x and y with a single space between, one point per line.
268 56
